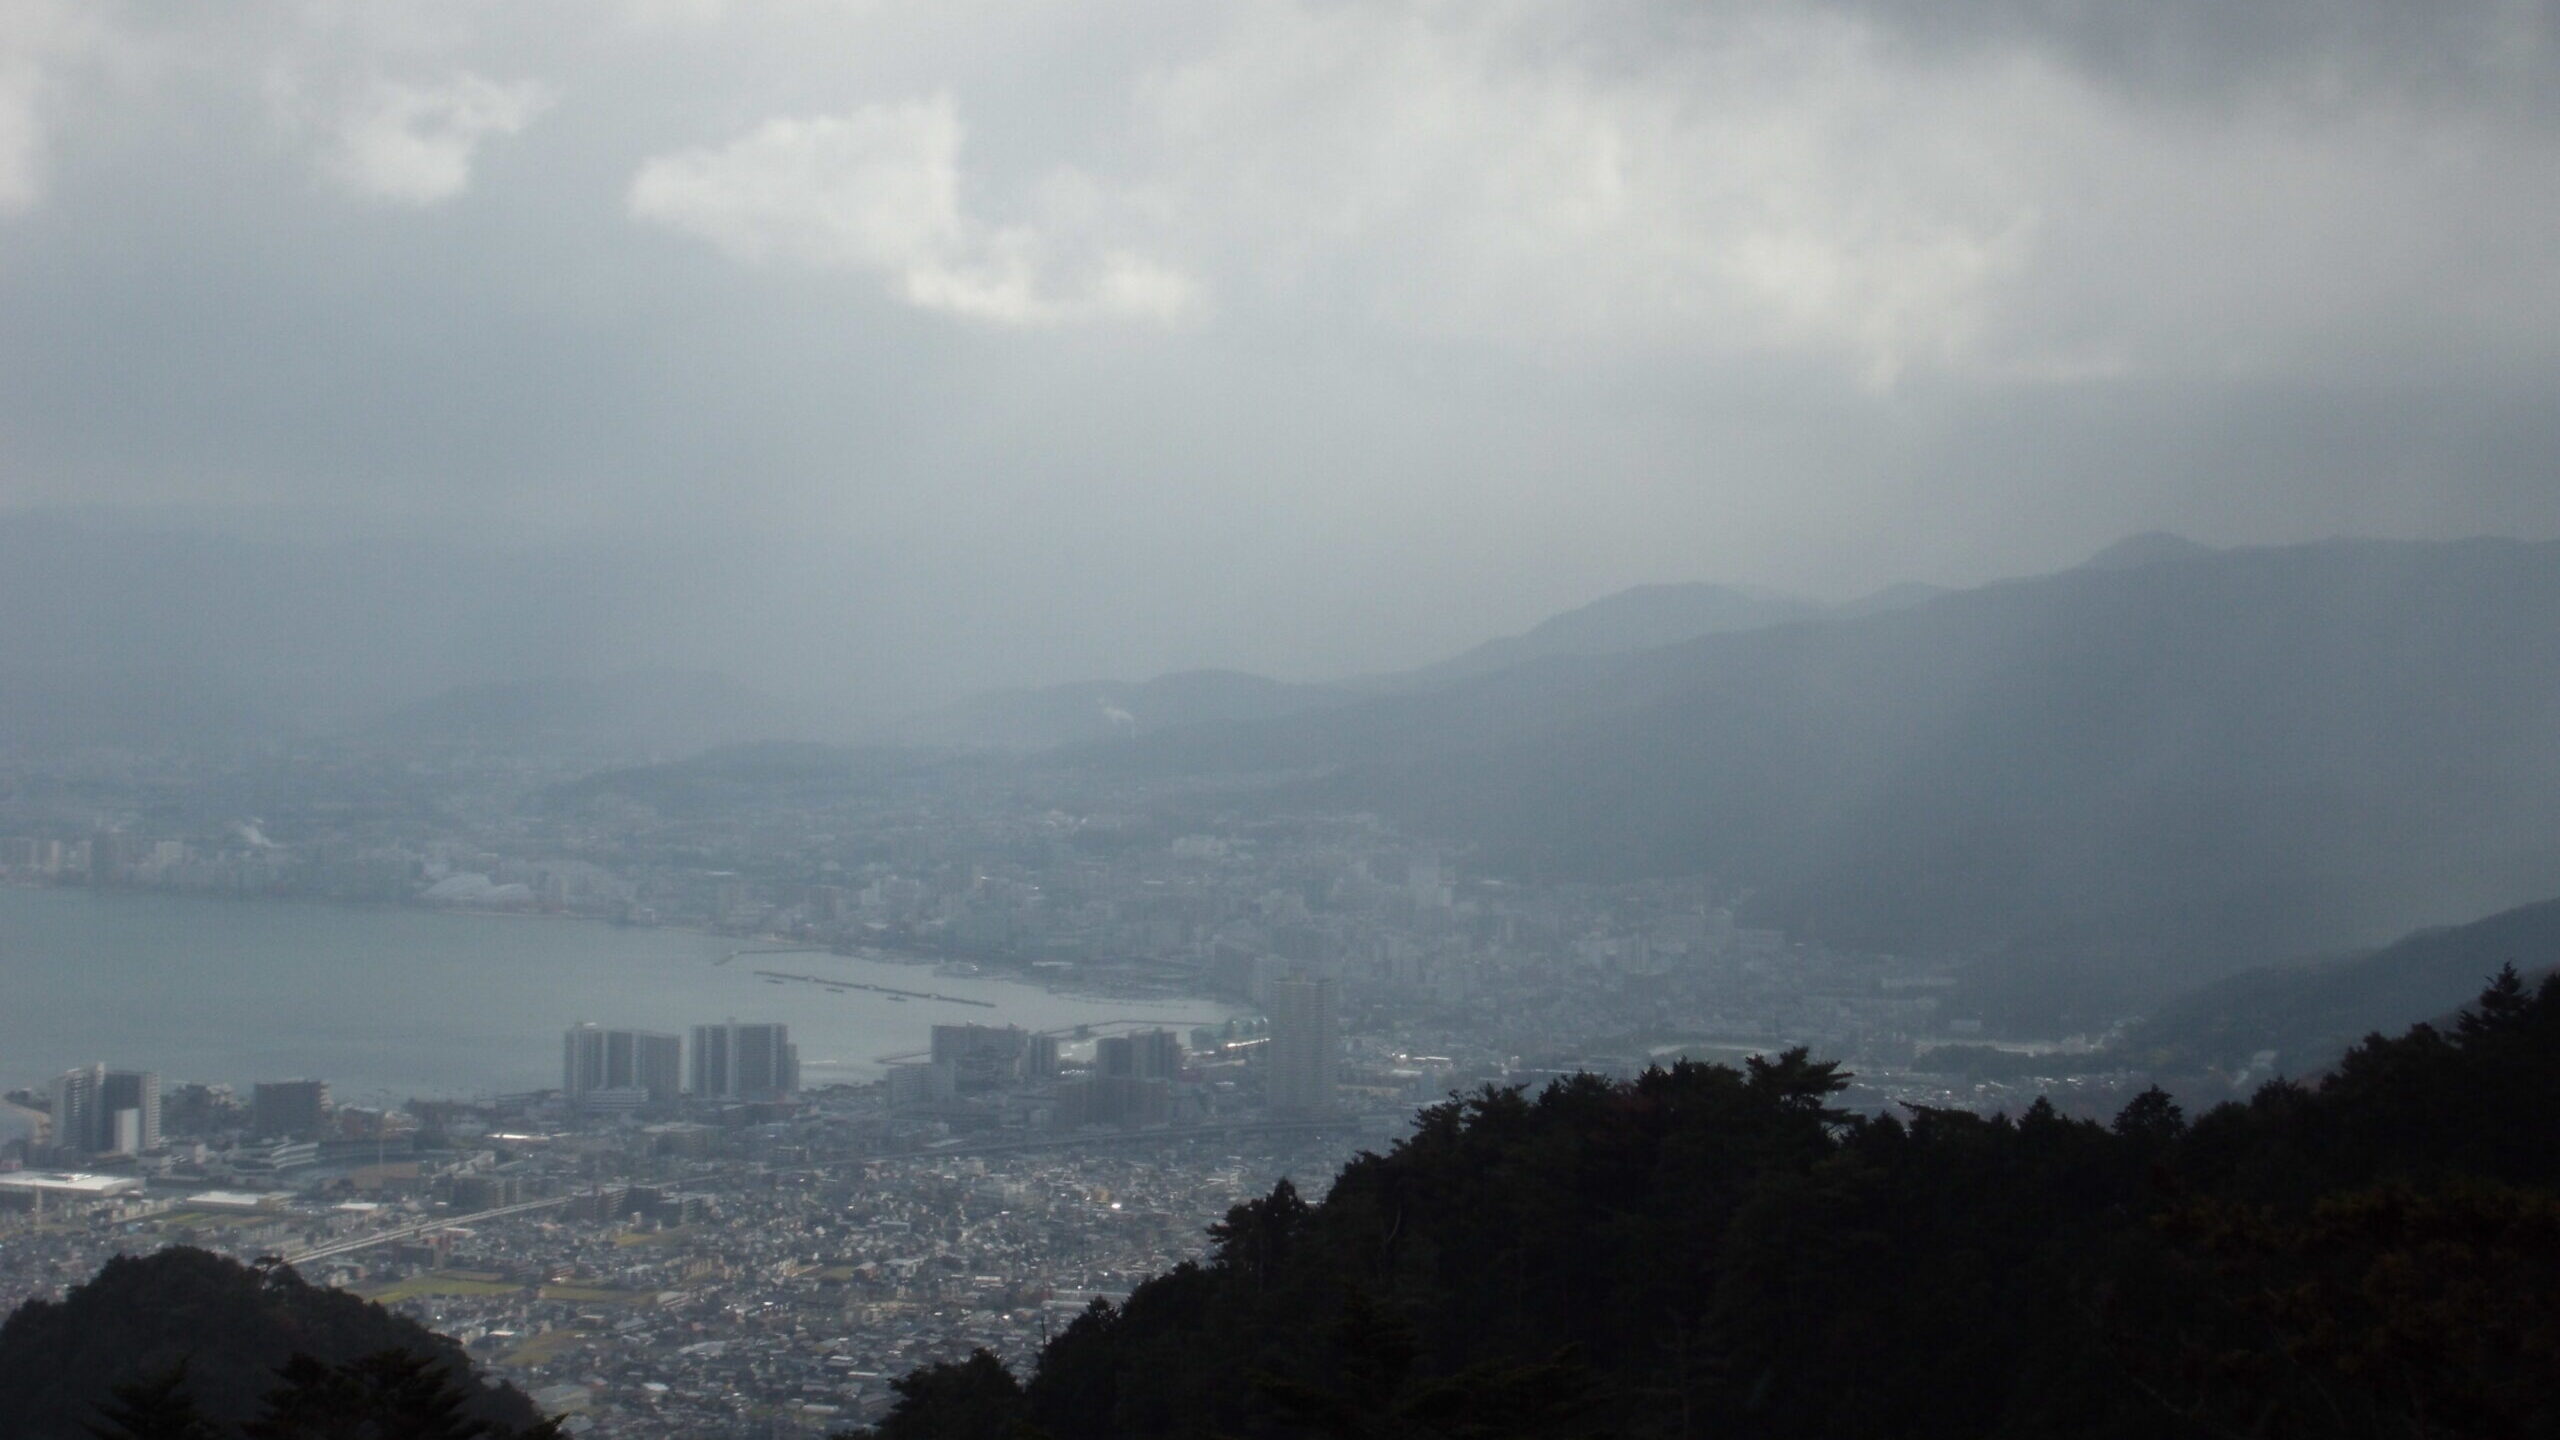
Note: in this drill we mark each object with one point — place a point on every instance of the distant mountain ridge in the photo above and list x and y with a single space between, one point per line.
1900 596
1641 618
2136 776
2307 1013
1644 617
2152 547
151 631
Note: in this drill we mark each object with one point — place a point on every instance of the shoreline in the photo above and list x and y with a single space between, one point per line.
1001 973
218 1011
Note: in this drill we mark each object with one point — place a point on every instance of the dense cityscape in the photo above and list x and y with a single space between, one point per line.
682 1221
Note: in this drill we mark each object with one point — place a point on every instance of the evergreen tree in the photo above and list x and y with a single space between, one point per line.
972 1399
1711 1251
157 1407
387 1395
236 1326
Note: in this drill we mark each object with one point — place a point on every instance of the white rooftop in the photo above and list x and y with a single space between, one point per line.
237 1199
70 1182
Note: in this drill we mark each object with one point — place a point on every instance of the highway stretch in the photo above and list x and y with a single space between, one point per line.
1080 1140
411 1231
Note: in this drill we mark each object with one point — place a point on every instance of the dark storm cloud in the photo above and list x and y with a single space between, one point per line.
2466 52
991 341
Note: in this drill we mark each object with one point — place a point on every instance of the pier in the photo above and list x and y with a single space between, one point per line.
832 983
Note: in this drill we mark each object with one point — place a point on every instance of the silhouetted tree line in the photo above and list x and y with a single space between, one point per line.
182 1344
1712 1252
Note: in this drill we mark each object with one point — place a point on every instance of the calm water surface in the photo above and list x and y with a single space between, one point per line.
389 1002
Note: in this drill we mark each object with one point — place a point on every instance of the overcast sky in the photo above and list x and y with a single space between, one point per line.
987 341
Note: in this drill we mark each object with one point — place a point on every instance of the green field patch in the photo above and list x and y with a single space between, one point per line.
595 1295
436 1282
544 1348
181 1219
212 1220
676 1236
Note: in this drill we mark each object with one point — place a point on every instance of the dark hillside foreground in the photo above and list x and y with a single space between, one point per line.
1707 1251
186 1345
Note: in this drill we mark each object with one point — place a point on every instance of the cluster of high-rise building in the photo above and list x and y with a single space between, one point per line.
1141 1055
1131 1082
982 1075
288 1109
98 1111
993 1057
599 1066
605 1069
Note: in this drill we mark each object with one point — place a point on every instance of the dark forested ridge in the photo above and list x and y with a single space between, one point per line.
2310 1012
154 1344
1715 1252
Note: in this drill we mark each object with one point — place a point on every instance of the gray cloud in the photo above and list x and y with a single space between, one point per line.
878 189
2469 54
412 143
1017 341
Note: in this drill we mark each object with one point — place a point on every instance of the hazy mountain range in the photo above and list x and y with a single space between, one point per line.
143 632
1645 617
2154 768
2310 1012
1642 618
2116 780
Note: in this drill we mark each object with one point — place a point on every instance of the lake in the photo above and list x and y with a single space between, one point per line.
389 1003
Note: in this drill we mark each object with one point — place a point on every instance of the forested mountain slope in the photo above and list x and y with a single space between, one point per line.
1712 1252
2310 1012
